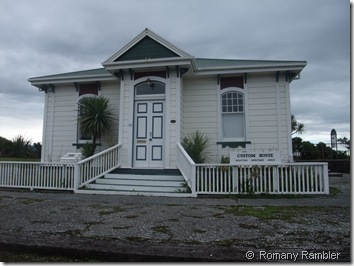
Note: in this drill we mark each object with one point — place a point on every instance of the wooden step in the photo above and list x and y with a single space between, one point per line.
142 182
132 188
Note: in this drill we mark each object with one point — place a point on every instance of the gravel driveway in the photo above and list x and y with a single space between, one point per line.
138 228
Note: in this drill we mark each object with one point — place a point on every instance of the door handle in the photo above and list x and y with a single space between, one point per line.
150 136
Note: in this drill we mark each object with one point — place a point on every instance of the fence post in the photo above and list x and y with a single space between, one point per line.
276 178
325 178
193 181
76 176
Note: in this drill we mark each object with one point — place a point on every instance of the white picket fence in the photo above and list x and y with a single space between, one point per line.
270 178
37 175
277 178
287 178
59 176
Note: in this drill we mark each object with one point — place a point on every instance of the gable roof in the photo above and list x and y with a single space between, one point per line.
150 50
147 45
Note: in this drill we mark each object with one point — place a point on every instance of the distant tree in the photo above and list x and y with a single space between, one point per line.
36 150
309 151
305 150
5 147
325 151
21 147
296 127
345 142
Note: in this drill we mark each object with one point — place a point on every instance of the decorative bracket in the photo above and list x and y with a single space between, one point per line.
167 72
47 88
77 85
119 74
183 71
131 72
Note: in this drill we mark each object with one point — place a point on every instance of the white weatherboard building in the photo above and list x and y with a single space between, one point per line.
160 93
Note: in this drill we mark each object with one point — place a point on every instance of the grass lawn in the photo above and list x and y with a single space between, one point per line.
7 159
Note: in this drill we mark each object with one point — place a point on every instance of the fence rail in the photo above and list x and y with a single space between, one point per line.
58 176
187 167
282 178
37 175
289 178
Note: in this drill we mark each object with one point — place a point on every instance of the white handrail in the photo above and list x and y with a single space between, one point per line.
187 167
96 166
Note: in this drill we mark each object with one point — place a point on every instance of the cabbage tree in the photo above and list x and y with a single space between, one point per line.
96 118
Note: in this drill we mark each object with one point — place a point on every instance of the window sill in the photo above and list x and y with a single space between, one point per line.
233 144
80 145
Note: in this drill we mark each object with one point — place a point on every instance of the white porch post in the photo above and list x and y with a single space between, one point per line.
325 179
76 176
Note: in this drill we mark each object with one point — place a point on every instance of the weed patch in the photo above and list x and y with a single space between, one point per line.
199 231
122 227
161 229
333 191
115 209
27 201
136 239
271 212
131 216
248 226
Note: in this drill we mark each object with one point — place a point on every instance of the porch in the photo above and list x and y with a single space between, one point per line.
222 179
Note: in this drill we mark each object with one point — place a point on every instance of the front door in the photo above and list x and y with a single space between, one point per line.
149 134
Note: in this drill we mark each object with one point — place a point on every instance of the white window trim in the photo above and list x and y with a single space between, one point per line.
244 91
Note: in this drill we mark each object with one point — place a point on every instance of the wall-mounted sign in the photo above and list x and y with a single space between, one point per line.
262 157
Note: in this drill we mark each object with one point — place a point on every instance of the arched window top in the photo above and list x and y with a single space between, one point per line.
150 87
232 102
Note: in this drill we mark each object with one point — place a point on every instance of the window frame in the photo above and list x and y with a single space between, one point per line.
222 92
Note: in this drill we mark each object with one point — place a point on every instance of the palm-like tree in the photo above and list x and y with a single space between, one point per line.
95 117
196 144
296 127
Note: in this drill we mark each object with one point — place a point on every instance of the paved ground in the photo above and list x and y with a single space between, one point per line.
138 228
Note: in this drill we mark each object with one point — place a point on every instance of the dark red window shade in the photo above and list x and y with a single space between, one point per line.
161 74
88 88
226 82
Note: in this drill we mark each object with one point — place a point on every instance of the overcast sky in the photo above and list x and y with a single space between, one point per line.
41 37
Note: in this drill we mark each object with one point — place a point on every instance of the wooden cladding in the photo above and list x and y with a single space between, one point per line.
226 82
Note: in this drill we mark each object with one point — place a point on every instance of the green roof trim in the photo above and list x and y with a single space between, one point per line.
202 64
206 63
146 48
83 74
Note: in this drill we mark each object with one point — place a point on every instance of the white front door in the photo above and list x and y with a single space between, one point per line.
148 134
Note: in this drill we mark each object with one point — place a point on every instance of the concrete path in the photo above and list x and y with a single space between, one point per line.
138 228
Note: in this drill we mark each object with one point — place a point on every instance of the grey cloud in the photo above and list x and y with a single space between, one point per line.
42 37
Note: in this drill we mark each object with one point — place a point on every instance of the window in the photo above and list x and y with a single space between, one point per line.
150 87
233 115
82 135
85 90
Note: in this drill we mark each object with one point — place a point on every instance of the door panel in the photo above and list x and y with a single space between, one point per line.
148 134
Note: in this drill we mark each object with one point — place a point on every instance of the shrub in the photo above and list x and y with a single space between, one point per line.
196 144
